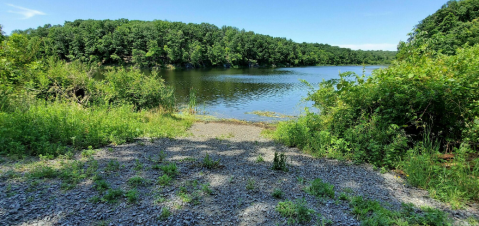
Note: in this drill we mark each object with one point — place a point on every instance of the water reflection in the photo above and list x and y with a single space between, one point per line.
230 93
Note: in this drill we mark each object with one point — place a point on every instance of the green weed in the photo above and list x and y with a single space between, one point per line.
101 185
250 184
209 163
138 165
112 195
206 189
165 213
259 159
164 180
170 169
112 165
132 196
137 181
297 212
320 189
279 162
277 193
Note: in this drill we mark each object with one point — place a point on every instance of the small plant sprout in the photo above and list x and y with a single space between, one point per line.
259 159
277 193
209 163
165 213
136 181
164 180
206 189
250 184
279 162
297 212
170 169
132 196
138 165
320 189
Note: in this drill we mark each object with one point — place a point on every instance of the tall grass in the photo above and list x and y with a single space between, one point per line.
53 127
454 180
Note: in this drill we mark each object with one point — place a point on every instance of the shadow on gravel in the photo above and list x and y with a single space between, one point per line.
241 187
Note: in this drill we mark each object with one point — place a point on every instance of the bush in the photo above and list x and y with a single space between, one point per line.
321 189
376 119
296 212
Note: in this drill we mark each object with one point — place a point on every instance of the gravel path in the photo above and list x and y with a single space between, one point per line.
230 203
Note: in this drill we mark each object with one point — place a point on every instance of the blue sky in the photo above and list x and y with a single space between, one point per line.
356 24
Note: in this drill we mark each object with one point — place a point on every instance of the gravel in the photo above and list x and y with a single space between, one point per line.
237 146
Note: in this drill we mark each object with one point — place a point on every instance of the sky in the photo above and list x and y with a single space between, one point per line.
355 24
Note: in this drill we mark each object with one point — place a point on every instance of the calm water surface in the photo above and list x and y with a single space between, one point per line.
235 93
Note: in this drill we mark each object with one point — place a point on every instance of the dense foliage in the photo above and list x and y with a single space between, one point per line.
420 116
159 43
48 106
451 27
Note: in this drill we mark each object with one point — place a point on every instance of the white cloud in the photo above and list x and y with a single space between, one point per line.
378 46
27 13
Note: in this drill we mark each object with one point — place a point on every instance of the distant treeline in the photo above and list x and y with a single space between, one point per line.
157 43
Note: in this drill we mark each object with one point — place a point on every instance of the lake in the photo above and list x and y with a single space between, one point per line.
236 93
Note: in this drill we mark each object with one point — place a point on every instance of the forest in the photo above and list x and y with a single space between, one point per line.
160 43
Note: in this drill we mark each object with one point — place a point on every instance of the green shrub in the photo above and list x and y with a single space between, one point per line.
164 180
296 212
165 213
378 119
101 185
170 169
43 172
279 162
320 189
209 163
277 193
132 195
112 195
136 181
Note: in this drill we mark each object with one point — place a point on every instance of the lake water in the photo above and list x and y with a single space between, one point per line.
236 93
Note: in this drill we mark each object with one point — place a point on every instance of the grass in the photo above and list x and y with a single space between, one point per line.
297 212
454 180
277 193
279 162
170 169
137 181
64 124
371 212
164 180
165 213
138 165
250 184
112 165
206 189
101 185
320 189
259 159
132 196
112 195
209 163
